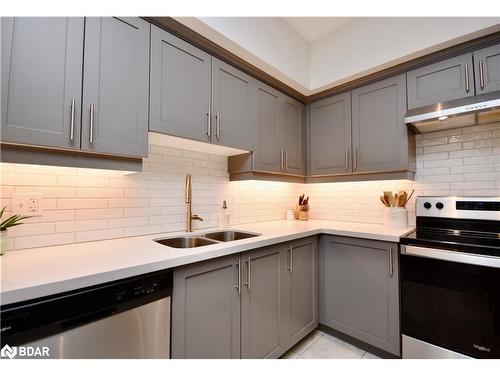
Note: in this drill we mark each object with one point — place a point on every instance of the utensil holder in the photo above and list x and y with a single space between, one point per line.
303 215
396 217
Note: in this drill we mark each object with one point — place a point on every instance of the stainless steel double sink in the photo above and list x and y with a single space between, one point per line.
211 238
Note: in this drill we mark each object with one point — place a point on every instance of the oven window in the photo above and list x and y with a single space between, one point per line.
452 305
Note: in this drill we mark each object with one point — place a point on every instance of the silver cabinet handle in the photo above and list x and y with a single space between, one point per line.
91 132
281 160
481 74
248 262
72 120
467 88
217 125
355 158
290 266
346 159
286 160
238 286
391 262
209 125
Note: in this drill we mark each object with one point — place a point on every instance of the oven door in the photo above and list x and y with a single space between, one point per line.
451 300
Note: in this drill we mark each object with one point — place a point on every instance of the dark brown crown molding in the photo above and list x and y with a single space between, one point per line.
184 32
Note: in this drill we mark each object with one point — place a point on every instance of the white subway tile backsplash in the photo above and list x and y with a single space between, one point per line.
86 205
28 241
80 225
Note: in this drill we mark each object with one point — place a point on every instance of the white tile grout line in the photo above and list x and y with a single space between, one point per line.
298 355
312 342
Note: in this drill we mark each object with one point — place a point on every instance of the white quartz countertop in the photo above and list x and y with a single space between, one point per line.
33 273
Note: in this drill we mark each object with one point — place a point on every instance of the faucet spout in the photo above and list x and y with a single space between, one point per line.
189 199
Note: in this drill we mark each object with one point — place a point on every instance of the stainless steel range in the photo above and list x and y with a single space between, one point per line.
450 279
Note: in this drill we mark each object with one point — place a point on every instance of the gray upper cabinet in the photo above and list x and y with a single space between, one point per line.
359 290
232 106
206 310
487 69
301 302
115 86
380 137
180 87
293 136
330 136
268 154
42 81
445 80
262 304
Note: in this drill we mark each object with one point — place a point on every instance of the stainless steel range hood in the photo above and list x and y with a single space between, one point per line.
479 109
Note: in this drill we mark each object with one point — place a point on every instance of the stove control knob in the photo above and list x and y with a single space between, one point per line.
439 205
427 205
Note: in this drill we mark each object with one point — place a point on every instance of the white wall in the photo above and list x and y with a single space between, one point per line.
268 43
357 48
371 44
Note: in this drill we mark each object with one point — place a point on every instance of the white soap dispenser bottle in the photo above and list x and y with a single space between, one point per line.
224 216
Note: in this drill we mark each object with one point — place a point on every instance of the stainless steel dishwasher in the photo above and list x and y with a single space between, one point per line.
128 318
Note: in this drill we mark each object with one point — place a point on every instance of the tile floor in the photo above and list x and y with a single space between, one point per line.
319 345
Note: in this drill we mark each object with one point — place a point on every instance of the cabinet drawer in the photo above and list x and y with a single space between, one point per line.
445 80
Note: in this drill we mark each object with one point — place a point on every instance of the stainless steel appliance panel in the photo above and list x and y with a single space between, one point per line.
142 332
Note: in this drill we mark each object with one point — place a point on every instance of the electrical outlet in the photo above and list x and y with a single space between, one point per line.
28 204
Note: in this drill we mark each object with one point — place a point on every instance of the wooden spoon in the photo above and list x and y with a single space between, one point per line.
382 199
389 197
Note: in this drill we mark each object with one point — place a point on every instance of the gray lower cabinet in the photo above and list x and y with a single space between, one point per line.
487 69
232 106
180 87
263 303
293 136
330 136
267 155
301 300
206 310
359 290
115 86
381 140
42 81
445 80
257 304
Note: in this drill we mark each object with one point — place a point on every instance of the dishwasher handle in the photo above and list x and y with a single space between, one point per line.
88 318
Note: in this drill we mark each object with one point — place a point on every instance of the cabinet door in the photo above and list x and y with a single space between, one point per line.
262 303
180 87
379 134
115 86
330 135
42 80
232 106
206 310
293 129
268 137
302 290
445 80
487 69
359 290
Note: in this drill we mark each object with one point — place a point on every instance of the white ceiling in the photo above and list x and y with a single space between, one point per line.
312 28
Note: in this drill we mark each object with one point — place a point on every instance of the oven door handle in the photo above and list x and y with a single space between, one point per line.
451 256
